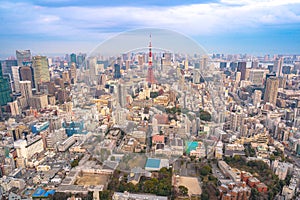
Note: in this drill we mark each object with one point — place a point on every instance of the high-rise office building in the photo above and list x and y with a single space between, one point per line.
204 62
186 64
257 94
39 101
72 73
256 76
286 69
92 62
127 64
40 70
14 108
16 78
102 80
26 74
7 64
26 91
81 60
254 64
117 71
237 77
5 90
121 92
271 90
66 77
233 66
23 57
167 60
278 63
196 76
73 58
282 82
242 68
62 96
223 65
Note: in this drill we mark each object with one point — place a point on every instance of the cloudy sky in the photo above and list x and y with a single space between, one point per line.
226 26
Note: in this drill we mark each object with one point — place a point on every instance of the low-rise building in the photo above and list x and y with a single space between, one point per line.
129 196
232 173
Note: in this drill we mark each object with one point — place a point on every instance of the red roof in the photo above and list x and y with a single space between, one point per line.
158 139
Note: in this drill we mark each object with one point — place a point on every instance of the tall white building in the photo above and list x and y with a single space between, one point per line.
26 91
256 98
16 78
26 149
278 66
14 108
121 94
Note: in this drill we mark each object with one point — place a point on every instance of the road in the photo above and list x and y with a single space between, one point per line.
293 157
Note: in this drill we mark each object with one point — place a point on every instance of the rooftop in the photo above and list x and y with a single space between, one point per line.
152 163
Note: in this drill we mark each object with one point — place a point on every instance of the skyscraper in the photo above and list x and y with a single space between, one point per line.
121 92
16 78
40 70
72 73
242 68
26 91
233 66
204 62
256 97
278 66
23 57
73 58
256 76
14 108
7 64
271 90
223 65
26 74
5 90
81 60
117 71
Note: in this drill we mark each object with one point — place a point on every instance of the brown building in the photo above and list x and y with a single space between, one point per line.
271 90
253 181
39 101
26 74
72 73
242 68
261 187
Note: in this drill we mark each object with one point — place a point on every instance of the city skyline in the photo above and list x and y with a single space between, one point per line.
226 26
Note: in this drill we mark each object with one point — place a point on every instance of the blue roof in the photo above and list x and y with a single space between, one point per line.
191 145
49 192
38 193
41 193
153 163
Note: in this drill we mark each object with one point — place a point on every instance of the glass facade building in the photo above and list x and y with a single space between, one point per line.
5 89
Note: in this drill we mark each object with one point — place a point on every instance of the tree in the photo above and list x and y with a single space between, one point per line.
204 195
205 170
61 195
106 194
205 116
154 94
254 194
74 163
183 190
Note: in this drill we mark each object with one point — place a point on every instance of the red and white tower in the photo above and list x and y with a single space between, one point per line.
150 74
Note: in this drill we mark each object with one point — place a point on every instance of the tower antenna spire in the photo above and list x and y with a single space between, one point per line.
150 74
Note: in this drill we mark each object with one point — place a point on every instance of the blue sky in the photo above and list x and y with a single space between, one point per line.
226 26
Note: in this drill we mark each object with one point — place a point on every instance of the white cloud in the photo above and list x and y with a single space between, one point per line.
196 19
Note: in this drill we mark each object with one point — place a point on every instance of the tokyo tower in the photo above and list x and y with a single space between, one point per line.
150 74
